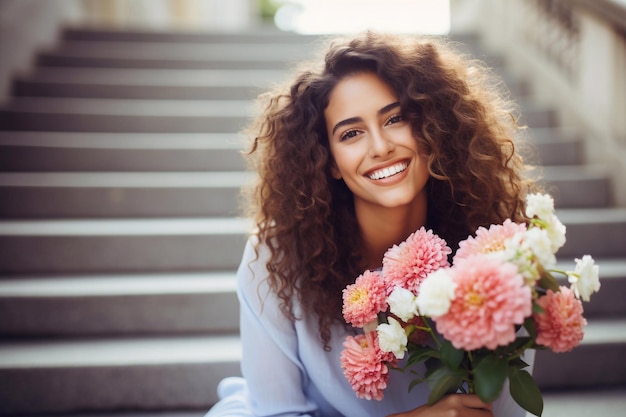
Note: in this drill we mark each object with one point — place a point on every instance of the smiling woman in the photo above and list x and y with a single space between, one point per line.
388 134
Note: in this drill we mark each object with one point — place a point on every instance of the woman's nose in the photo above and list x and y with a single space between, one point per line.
380 144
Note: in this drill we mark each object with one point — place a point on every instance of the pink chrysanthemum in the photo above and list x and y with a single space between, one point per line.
560 326
489 240
364 299
407 264
490 299
365 365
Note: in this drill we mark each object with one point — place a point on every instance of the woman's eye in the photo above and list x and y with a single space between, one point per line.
349 135
394 119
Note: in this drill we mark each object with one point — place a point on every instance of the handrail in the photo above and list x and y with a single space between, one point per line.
613 11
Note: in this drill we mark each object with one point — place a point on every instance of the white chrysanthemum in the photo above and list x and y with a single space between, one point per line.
556 232
436 293
514 249
521 256
538 241
540 205
392 337
402 303
586 278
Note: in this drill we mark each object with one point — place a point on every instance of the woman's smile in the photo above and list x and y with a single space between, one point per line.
387 172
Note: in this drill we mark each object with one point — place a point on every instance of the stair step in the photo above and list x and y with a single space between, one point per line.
596 362
124 245
169 84
258 35
145 83
174 55
131 304
115 374
538 116
154 77
118 107
517 88
599 232
607 401
97 151
118 115
554 146
172 51
121 194
583 186
55 59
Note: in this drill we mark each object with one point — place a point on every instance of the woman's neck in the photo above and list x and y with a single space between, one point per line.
382 227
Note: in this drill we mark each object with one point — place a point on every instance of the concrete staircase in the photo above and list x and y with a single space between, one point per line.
119 233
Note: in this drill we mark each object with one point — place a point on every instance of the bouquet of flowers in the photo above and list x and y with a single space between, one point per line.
469 323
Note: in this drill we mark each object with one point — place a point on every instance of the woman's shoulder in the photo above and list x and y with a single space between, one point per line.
254 285
253 275
256 254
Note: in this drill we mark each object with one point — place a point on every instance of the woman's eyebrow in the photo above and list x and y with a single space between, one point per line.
351 120
388 107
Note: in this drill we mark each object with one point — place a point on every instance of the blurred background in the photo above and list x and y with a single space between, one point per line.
120 167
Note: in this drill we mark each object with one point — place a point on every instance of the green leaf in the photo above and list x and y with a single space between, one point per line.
444 381
514 348
517 363
432 364
420 353
525 391
521 341
537 309
415 382
489 377
451 356
529 325
548 282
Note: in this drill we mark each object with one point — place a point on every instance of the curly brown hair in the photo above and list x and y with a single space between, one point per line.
461 120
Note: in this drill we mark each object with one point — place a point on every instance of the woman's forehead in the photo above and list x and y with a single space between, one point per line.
358 93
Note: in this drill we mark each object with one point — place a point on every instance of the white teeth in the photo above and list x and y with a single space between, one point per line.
389 171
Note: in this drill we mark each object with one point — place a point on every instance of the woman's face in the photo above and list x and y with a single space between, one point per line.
372 146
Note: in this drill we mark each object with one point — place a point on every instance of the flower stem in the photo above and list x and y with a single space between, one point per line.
430 331
564 273
470 380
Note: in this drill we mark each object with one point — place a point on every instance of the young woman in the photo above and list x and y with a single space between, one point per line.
391 133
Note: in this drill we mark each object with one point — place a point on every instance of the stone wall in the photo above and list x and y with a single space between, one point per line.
575 59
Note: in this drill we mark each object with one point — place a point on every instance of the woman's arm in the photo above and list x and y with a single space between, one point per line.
270 362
